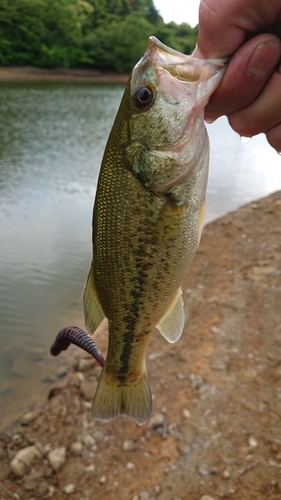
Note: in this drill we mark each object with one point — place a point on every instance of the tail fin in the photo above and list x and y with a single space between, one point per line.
132 398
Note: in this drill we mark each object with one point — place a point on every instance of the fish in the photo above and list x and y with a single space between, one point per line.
147 219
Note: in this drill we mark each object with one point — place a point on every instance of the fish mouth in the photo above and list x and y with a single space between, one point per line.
185 68
183 77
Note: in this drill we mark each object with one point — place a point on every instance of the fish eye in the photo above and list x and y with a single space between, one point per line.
144 97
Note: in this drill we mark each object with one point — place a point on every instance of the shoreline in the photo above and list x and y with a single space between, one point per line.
215 429
34 74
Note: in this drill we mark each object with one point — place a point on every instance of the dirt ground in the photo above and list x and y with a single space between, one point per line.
216 428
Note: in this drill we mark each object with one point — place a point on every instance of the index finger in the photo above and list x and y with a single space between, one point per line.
246 75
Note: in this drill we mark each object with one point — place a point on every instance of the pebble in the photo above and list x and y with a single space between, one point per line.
130 466
186 413
76 448
204 470
69 488
41 448
52 490
29 484
220 364
88 440
196 380
157 421
88 389
78 378
27 418
103 479
43 489
226 473
62 370
129 445
90 468
253 442
24 459
57 458
206 497
85 364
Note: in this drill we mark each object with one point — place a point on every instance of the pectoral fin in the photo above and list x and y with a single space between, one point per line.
93 313
171 325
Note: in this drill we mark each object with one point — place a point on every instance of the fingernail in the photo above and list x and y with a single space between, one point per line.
209 120
264 59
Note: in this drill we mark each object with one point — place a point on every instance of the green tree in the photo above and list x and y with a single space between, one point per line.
104 34
119 44
42 32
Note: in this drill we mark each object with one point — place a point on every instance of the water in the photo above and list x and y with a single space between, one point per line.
52 138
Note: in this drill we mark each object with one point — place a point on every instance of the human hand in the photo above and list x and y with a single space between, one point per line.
250 91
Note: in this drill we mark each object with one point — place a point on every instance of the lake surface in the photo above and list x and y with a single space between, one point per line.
52 138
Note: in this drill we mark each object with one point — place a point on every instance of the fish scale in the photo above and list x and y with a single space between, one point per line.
147 221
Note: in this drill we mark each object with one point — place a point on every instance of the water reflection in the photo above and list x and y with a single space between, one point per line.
52 138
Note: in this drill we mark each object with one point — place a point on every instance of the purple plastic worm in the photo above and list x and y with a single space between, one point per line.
74 335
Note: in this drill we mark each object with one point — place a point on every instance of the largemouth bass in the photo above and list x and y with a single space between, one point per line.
147 220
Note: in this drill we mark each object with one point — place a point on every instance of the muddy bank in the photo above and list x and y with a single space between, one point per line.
33 74
216 428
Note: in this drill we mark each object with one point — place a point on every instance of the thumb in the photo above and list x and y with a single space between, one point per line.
246 75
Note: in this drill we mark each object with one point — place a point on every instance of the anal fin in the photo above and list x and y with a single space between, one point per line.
172 323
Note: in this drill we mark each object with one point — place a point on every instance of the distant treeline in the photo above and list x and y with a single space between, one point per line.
107 35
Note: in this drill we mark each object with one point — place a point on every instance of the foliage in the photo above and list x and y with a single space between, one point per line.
102 34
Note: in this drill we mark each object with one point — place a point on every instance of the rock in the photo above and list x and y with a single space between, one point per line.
76 448
78 378
220 364
39 472
85 364
103 479
206 497
57 458
186 413
43 489
157 421
69 489
204 470
28 417
88 440
88 389
40 448
226 473
57 388
129 445
62 370
196 380
80 469
24 459
29 484
253 442
130 466
90 468
52 490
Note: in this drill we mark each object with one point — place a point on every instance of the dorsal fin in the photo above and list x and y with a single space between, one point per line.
172 323
93 313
